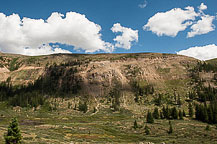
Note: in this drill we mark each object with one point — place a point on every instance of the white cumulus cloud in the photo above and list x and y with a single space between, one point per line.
171 22
201 52
126 38
44 50
33 36
203 26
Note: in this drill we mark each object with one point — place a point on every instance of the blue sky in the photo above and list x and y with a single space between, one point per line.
128 14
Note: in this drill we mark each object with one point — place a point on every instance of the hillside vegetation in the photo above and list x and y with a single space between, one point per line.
110 98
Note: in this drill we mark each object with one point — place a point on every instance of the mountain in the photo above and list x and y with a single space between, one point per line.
98 97
164 71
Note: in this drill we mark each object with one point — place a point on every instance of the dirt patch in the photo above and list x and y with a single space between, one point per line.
30 123
46 126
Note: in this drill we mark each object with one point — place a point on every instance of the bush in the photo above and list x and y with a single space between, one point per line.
83 107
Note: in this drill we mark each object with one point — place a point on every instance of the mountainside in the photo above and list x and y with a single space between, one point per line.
110 97
164 71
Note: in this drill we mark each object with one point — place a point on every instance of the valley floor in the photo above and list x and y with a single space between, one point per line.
67 126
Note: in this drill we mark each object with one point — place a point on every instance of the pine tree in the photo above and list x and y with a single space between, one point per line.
197 112
205 115
180 115
184 115
174 113
170 128
179 102
135 126
168 112
13 135
150 118
147 131
161 115
164 112
175 96
94 110
158 101
190 110
156 113
210 114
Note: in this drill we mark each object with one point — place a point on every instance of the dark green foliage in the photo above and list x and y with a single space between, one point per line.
156 113
83 107
141 89
147 130
94 110
149 118
136 98
170 128
175 96
57 81
47 106
20 96
179 102
171 113
206 114
206 94
165 113
6 90
161 115
207 67
208 128
158 101
31 99
192 95
13 64
13 136
180 115
190 110
50 83
202 93
184 114
135 126
174 113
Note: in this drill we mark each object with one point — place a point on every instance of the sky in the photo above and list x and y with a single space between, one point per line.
185 27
